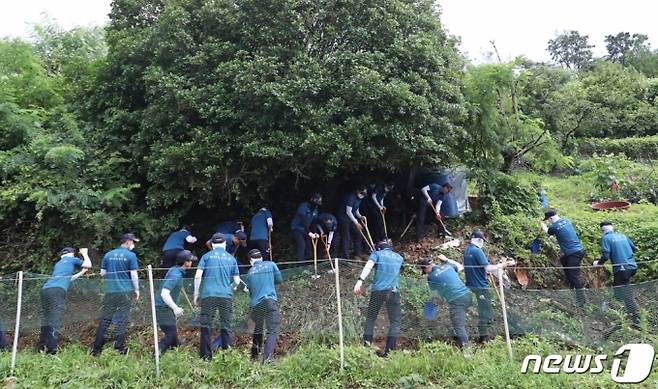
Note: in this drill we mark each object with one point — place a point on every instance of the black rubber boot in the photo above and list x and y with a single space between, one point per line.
41 344
256 346
390 344
484 339
580 298
635 321
226 339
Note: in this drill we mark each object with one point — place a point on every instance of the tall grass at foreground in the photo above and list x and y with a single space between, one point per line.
434 365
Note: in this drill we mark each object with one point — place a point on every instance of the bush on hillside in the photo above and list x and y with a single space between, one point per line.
636 183
502 194
635 148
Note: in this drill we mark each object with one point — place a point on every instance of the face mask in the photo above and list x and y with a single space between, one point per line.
478 242
131 247
360 195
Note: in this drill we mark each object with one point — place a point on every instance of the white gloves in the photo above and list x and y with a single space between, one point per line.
357 288
178 311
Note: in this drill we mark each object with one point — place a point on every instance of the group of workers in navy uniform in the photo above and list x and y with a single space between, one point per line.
217 274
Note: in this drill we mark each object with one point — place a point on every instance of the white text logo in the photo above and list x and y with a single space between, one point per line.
636 365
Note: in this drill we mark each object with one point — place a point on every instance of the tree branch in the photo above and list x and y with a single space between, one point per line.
531 144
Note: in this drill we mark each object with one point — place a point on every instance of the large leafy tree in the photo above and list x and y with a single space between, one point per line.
620 102
607 100
68 56
571 50
619 46
644 61
557 97
218 100
53 190
500 132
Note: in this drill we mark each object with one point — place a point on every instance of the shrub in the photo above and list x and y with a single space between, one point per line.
637 183
635 148
501 193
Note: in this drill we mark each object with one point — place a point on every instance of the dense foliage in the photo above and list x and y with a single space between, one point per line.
54 186
635 148
200 111
201 104
221 101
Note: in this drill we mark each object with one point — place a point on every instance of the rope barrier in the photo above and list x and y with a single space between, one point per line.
353 261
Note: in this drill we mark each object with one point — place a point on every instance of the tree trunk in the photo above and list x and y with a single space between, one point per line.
508 162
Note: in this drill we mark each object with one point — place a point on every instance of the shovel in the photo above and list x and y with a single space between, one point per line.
440 220
314 242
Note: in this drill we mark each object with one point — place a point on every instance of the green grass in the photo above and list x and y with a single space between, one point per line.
434 365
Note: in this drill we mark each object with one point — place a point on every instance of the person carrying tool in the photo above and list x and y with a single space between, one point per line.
301 224
385 290
324 227
53 296
262 226
619 249
431 197
217 270
166 308
262 278
174 244
349 222
376 210
444 281
476 265
572 250
119 267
